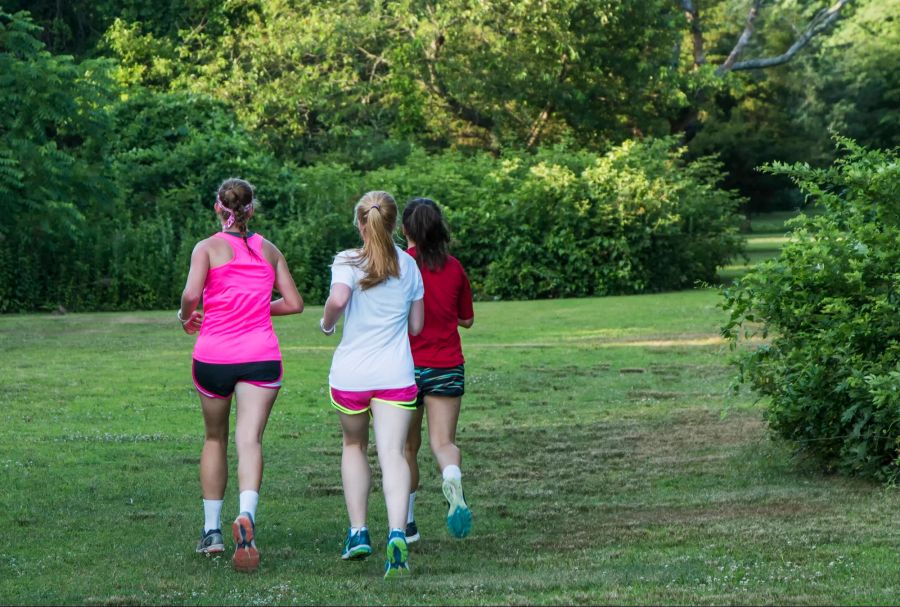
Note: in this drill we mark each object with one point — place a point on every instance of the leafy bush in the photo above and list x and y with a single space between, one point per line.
829 303
107 187
53 166
568 223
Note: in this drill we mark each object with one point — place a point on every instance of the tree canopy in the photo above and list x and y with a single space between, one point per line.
123 116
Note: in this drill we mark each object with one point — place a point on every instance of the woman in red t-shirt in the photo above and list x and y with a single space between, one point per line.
437 354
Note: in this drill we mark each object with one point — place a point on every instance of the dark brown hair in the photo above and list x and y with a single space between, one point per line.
237 196
424 223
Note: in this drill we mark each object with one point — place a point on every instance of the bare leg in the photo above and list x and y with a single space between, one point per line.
391 429
411 450
213 458
443 415
356 475
253 407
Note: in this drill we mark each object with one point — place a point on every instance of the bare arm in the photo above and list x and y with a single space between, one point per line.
193 290
337 301
416 316
291 302
466 323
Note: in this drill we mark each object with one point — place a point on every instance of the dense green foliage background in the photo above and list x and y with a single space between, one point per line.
830 303
573 142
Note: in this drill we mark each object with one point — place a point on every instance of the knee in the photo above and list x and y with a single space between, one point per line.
439 442
215 435
356 444
247 441
392 454
413 444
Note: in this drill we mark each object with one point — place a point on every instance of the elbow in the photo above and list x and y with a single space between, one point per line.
416 325
190 297
338 301
467 323
297 306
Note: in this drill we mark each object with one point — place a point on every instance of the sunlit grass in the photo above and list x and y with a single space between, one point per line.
767 236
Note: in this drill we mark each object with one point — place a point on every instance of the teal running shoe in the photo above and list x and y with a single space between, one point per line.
397 553
459 517
357 546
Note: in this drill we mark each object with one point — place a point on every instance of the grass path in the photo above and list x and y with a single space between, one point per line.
605 460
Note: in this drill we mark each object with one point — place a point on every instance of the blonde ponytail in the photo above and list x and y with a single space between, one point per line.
377 213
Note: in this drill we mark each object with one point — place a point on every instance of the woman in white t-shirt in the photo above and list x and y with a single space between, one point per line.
378 289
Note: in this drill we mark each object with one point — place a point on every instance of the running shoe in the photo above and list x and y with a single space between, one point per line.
459 517
357 546
397 553
246 556
412 532
211 542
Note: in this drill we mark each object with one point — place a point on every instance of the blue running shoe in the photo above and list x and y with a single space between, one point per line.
459 517
246 556
211 542
397 553
357 546
412 532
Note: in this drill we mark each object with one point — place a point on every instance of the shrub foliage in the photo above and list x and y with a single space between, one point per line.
828 305
107 185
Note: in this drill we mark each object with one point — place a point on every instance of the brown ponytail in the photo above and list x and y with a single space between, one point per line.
237 196
376 212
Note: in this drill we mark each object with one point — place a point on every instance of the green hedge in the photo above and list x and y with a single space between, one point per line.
829 308
104 189
563 223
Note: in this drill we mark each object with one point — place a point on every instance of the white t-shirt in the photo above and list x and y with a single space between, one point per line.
374 351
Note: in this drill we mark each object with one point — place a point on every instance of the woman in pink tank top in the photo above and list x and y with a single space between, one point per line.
234 272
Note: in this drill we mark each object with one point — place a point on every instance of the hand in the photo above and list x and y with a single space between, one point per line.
324 330
192 323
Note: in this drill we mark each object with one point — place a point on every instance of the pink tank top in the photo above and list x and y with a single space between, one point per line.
237 324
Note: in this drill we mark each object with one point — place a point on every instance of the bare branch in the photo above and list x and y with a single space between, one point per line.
744 38
693 17
537 128
817 25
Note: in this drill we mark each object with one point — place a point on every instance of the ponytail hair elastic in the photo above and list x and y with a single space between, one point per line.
229 221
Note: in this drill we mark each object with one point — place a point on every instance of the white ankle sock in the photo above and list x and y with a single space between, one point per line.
410 517
248 501
452 472
212 511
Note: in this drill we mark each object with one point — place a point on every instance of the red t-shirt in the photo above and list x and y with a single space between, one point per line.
448 298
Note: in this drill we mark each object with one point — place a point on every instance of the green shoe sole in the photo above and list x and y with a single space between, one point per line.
397 553
459 517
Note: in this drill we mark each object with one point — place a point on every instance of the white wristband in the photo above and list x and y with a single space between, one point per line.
322 327
180 319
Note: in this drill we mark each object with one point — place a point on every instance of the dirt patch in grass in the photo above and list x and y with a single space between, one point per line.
652 395
134 319
631 465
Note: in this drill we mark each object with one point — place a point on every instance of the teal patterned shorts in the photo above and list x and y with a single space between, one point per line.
436 381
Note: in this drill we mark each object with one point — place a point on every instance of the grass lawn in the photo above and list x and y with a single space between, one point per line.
758 248
605 461
768 234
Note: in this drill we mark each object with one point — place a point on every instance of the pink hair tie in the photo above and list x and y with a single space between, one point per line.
225 210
